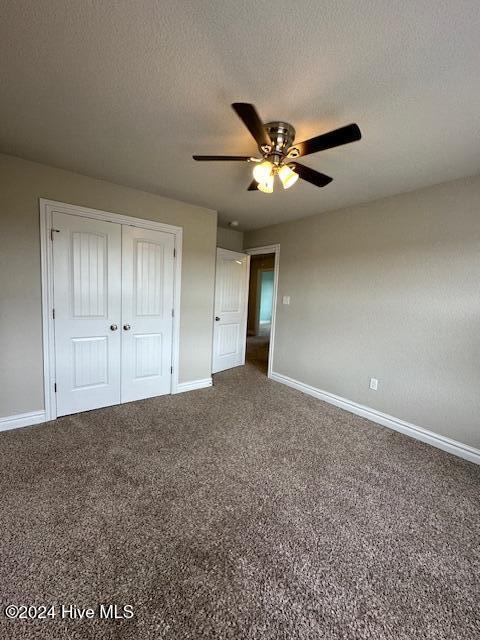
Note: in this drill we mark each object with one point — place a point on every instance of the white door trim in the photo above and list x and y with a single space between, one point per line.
47 207
271 248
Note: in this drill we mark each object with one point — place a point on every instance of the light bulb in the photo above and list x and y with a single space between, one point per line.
287 176
266 185
262 171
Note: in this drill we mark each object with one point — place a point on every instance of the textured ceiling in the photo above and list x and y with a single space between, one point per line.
127 91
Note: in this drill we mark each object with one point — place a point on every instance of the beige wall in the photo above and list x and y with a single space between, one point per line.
230 239
389 289
22 183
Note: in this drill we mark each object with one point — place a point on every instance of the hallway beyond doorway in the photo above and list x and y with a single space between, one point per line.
257 351
260 301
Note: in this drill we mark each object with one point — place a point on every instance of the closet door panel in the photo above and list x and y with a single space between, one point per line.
87 299
147 312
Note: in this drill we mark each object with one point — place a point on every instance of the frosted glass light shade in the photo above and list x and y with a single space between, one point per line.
287 176
262 171
267 185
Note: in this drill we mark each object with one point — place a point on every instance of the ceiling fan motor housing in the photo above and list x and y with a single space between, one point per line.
282 135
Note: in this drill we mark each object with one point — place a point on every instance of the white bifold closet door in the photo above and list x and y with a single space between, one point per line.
113 301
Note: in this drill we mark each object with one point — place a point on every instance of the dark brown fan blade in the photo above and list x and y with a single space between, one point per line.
335 138
253 185
310 175
250 118
233 158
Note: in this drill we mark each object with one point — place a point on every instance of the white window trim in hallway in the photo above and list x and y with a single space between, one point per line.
47 207
275 249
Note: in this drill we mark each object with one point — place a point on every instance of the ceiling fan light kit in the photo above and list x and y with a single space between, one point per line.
275 141
265 172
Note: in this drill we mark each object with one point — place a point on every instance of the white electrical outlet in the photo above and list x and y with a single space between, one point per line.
286 300
373 384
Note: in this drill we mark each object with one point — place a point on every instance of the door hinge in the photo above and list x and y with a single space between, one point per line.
55 387
52 231
171 369
53 314
174 253
173 313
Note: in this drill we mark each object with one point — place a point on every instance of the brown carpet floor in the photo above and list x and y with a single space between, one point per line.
246 511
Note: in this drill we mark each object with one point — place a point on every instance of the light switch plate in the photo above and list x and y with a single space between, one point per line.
286 300
374 384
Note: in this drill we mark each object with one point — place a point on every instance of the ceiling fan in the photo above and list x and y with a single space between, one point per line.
275 142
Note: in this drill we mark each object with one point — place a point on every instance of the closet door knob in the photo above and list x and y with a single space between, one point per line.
126 327
217 318
113 327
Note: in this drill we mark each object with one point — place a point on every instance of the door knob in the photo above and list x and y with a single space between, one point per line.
217 318
113 327
126 327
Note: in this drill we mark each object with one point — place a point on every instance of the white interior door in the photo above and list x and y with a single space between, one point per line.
147 312
87 294
231 300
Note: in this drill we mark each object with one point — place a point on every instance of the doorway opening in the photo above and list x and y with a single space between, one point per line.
261 307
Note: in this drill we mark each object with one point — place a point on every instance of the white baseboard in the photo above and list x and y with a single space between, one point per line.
22 420
193 384
412 430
